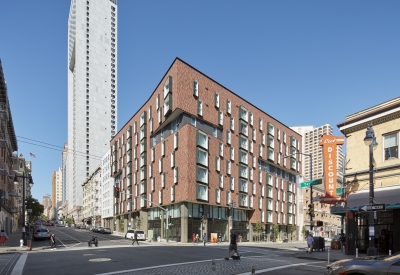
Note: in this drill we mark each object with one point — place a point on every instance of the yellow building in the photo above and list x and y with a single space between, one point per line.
384 232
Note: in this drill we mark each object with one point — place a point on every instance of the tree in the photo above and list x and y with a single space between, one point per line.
258 228
121 225
305 232
68 220
44 217
275 230
37 208
138 222
292 229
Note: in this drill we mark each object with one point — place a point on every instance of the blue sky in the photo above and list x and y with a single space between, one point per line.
302 62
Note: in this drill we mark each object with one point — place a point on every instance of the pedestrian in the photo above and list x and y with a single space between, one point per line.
232 245
135 238
3 238
342 241
193 238
197 239
204 239
310 243
220 238
53 240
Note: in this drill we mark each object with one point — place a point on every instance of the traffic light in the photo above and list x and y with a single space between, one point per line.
311 210
320 223
116 192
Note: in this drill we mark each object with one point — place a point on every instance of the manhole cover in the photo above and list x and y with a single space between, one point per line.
100 260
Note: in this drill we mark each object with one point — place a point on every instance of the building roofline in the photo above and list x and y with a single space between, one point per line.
178 59
371 111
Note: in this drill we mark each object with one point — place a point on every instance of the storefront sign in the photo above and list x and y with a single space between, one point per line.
329 144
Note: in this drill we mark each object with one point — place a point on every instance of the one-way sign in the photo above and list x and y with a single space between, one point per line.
373 207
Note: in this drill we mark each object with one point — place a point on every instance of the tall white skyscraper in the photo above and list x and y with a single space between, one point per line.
310 141
92 90
59 186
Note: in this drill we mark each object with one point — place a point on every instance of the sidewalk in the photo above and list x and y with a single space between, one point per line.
334 255
13 243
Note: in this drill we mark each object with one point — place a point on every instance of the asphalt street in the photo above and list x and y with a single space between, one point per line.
115 255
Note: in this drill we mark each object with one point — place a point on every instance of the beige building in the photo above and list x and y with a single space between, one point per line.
385 119
331 224
92 196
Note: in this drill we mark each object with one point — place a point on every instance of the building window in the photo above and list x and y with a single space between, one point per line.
193 121
232 153
221 149
243 156
220 118
202 192
243 128
228 136
202 139
200 108
195 88
202 157
243 142
228 106
221 181
243 171
202 174
217 163
216 100
243 113
232 123
243 186
391 146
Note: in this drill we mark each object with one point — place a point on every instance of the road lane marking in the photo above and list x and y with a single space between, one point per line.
19 266
276 268
157 266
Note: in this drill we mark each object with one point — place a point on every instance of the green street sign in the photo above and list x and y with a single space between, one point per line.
311 182
339 191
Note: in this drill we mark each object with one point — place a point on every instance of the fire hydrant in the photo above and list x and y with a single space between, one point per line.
21 243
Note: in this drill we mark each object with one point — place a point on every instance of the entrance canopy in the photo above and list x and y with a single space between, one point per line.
385 195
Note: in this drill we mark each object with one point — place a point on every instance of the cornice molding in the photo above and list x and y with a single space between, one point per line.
377 121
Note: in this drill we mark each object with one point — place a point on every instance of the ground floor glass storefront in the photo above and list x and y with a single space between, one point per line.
383 231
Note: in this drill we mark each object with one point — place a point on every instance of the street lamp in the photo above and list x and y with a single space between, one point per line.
311 194
29 177
370 140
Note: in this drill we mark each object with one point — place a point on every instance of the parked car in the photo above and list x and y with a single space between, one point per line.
98 229
131 234
105 230
366 266
41 233
327 239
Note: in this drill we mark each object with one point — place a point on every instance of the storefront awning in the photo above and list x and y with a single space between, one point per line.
387 195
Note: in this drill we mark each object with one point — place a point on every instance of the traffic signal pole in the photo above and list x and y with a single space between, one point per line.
311 198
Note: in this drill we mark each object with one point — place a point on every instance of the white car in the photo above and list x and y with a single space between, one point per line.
140 235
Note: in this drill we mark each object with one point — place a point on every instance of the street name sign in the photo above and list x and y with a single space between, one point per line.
373 207
310 183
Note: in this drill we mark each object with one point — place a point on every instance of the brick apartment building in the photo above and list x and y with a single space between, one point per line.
197 148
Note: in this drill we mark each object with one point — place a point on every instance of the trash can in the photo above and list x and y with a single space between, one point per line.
155 237
319 243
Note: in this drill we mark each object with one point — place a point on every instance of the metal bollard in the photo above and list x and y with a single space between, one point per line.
356 252
213 266
390 252
21 243
328 254
253 270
